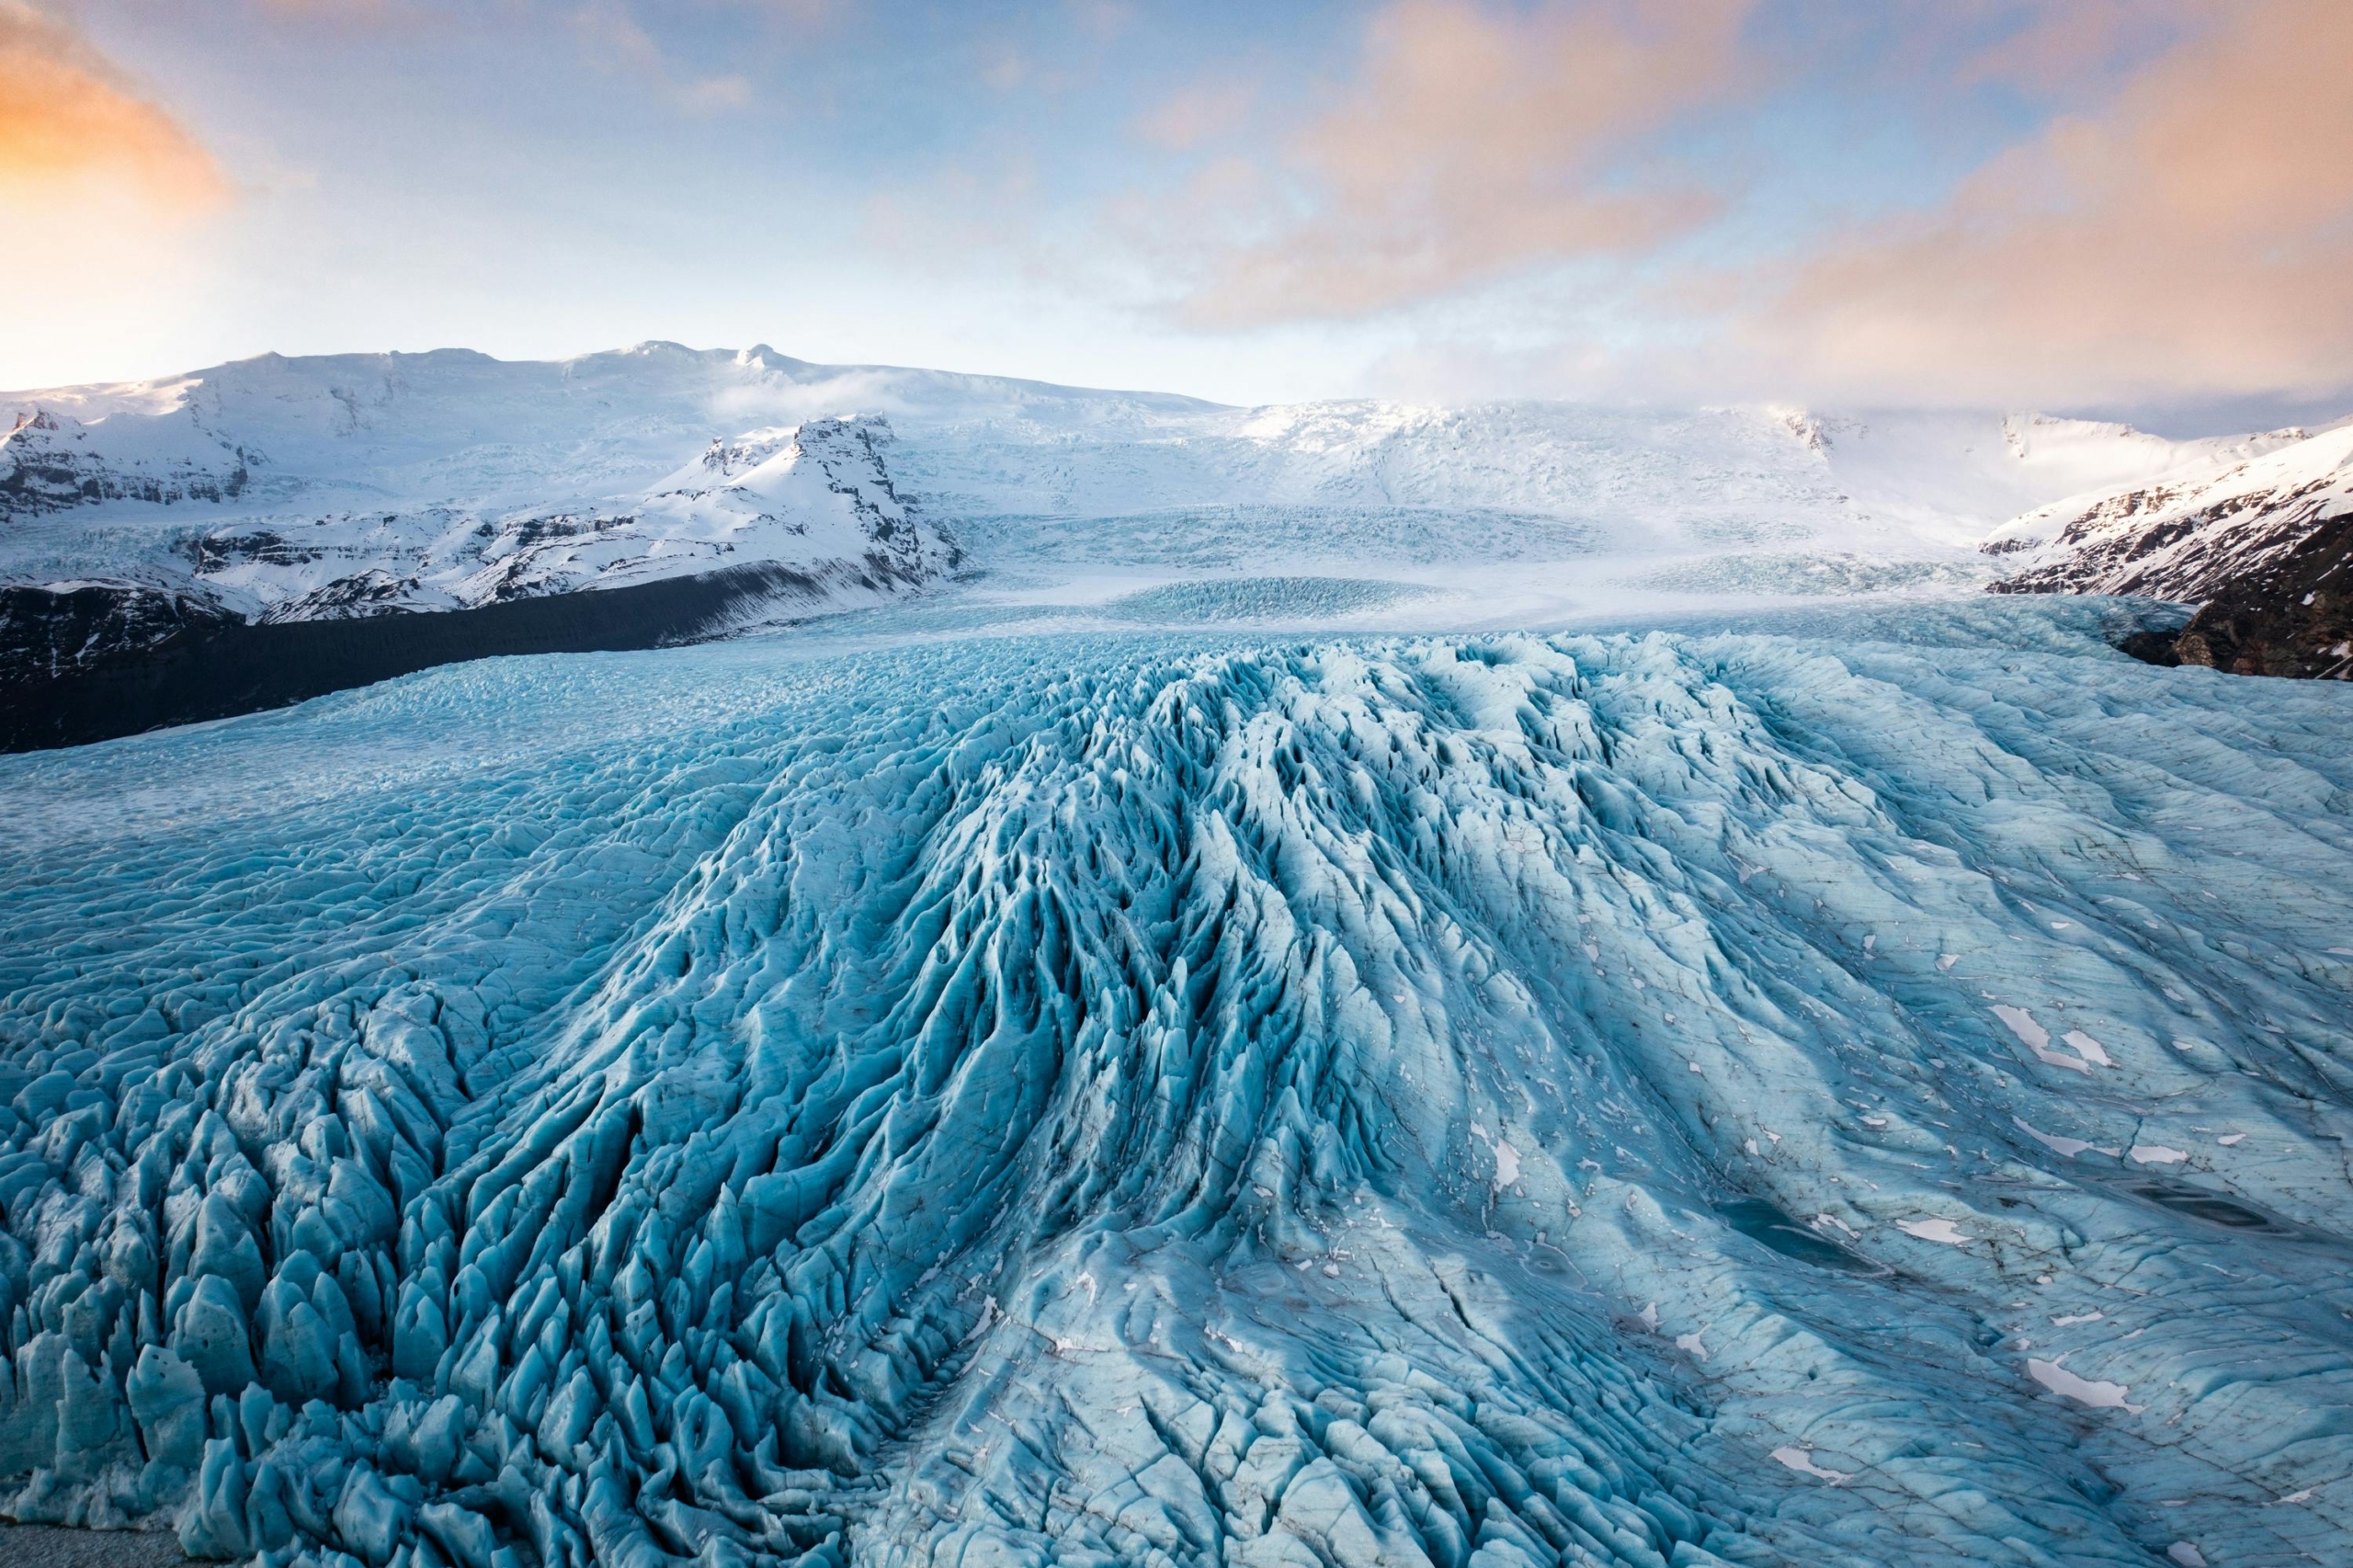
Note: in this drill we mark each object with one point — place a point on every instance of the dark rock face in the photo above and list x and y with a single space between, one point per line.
2293 616
48 633
95 663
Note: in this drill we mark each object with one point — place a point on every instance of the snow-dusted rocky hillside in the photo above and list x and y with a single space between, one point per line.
273 492
2261 540
2184 532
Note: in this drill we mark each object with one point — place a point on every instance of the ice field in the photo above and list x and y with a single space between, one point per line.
1859 1087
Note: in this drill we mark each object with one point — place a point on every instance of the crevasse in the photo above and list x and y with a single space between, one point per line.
1172 1100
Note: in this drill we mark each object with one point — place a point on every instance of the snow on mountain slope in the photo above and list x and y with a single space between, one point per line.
50 463
295 488
821 499
1637 480
1939 467
1867 1094
460 428
2189 531
328 503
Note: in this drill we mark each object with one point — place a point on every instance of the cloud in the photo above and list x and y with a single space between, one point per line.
1473 142
2194 238
1200 114
773 400
2057 45
1099 20
71 127
339 10
615 41
1004 67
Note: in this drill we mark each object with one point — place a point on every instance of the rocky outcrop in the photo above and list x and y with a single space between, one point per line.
2292 617
51 632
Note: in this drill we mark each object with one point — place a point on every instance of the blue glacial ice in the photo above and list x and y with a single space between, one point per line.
1848 1089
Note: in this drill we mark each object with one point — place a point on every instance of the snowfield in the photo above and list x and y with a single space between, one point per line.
899 1097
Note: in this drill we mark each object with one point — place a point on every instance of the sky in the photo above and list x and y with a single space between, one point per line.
2131 207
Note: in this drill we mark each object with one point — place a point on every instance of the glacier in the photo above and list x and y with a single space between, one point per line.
1858 1084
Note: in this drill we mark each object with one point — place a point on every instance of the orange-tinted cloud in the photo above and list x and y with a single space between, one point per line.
69 123
1475 141
2194 236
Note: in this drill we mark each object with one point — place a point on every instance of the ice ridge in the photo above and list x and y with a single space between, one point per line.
1470 1101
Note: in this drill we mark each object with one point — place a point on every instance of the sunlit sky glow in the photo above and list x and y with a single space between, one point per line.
2142 207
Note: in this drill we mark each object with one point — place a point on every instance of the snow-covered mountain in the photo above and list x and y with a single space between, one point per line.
276 492
816 496
285 488
2259 535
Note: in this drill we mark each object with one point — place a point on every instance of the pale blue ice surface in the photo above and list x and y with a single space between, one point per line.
1857 1088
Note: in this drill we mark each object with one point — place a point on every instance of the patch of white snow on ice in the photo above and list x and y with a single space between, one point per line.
2087 1048
1943 1231
2037 1039
1803 1462
2083 1391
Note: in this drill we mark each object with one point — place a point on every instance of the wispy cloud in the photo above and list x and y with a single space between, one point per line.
616 40
1473 140
1003 66
1200 114
71 125
2055 46
2194 235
